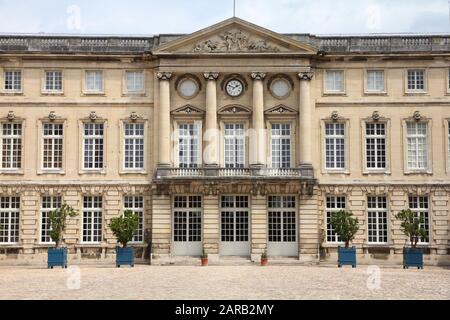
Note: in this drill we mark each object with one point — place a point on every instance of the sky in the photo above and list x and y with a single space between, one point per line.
147 17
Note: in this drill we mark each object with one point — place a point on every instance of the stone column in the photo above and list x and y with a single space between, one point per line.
164 120
211 137
305 123
258 119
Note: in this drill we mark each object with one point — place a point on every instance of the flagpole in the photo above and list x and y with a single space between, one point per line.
234 8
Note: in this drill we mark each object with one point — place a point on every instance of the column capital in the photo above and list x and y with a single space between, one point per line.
211 75
258 75
306 75
164 76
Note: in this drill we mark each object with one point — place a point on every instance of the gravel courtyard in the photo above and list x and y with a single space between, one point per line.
224 282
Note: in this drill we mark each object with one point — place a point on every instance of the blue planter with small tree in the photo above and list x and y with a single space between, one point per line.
57 257
345 226
124 228
412 226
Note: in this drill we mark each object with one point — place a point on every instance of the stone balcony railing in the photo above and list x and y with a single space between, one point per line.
305 172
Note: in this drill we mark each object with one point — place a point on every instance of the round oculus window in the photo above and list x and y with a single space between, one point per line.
280 88
188 88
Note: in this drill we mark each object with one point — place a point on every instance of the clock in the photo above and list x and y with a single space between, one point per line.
188 88
234 88
280 88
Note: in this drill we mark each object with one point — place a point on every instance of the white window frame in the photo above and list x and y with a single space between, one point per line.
235 209
126 90
46 90
13 90
11 214
235 137
134 169
138 237
86 82
16 169
53 138
346 125
425 82
327 90
328 212
44 230
378 211
188 209
447 143
367 89
83 137
92 211
428 150
422 210
176 156
280 137
448 82
368 169
283 210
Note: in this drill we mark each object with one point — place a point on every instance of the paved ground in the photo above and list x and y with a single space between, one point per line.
224 282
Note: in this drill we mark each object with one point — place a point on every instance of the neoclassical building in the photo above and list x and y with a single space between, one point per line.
233 140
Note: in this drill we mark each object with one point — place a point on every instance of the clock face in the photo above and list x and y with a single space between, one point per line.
188 88
234 88
280 88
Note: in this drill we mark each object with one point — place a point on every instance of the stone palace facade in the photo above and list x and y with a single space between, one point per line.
232 140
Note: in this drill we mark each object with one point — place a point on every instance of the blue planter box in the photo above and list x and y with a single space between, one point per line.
412 257
124 257
347 256
57 258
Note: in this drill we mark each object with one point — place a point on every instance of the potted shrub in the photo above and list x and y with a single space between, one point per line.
346 227
264 259
412 226
204 259
58 220
124 228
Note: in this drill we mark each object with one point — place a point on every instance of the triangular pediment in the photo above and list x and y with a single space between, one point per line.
235 36
281 109
187 110
234 109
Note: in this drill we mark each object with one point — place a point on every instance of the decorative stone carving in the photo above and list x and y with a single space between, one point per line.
11 116
164 76
187 110
258 75
234 110
306 76
376 116
335 116
134 116
281 110
52 116
211 75
235 41
417 116
93 115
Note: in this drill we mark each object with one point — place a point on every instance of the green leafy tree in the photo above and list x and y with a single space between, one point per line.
344 225
125 227
412 226
58 222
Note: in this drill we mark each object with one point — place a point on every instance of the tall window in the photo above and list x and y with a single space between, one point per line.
234 145
9 219
334 204
448 137
53 81
13 81
376 145
134 81
53 135
93 145
187 219
234 218
420 206
282 219
188 144
11 147
377 215
136 204
94 81
334 81
375 80
281 145
92 219
416 80
134 145
49 204
335 146
417 144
